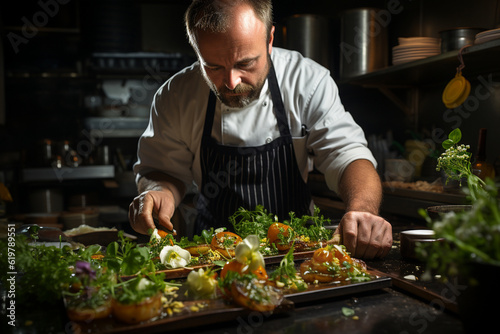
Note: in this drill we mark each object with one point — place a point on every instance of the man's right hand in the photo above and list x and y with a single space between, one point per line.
148 205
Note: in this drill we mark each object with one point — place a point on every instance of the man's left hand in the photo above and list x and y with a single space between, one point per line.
365 235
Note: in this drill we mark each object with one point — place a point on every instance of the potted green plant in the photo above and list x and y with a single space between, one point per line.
468 246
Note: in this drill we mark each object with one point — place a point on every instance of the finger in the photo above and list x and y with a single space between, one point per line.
164 220
140 216
382 241
134 218
336 239
146 211
364 247
388 241
348 228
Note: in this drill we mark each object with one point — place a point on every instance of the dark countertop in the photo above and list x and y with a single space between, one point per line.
383 311
409 306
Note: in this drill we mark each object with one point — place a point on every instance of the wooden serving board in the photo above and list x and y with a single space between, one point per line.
218 310
330 290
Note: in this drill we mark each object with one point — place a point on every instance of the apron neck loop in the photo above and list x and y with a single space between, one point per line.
279 108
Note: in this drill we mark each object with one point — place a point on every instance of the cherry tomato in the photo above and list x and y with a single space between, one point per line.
278 232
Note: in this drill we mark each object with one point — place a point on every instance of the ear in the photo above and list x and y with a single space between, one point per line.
271 39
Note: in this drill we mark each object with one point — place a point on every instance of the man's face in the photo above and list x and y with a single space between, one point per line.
235 63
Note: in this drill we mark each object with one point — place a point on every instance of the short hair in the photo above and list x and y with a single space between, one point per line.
214 15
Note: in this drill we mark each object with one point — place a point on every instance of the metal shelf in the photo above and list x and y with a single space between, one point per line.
116 127
68 173
479 59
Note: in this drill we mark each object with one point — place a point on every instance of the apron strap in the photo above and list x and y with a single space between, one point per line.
279 107
209 115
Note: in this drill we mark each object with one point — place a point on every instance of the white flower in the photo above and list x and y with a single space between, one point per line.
175 256
143 284
247 252
201 283
155 237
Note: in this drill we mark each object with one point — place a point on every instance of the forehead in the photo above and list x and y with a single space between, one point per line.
246 35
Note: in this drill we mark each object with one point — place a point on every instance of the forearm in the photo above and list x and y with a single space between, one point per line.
158 181
360 187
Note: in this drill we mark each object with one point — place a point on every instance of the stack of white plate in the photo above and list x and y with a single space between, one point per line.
415 48
487 35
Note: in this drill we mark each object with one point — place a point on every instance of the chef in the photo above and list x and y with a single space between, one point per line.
244 123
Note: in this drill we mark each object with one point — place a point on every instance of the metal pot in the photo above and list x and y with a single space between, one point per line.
308 34
455 39
363 46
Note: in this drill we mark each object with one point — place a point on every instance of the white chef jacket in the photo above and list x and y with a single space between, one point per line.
332 139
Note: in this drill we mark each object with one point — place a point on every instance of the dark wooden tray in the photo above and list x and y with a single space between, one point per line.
217 311
332 290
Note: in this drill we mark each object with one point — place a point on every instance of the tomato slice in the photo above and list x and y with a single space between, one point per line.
238 267
327 254
232 265
323 255
341 254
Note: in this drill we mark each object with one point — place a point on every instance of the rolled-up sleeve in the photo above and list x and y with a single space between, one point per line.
335 138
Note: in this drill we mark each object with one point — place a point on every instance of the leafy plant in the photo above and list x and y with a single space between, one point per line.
469 236
455 161
257 222
44 272
91 288
311 226
204 238
464 237
125 258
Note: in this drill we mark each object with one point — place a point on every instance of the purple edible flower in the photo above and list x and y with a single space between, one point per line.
83 269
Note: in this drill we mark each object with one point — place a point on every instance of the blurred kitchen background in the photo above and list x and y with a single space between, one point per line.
77 79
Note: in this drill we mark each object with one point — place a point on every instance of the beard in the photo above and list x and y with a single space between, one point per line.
246 93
